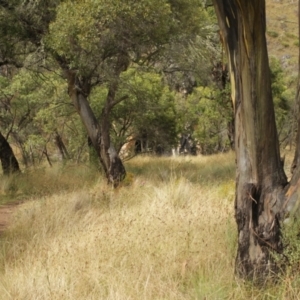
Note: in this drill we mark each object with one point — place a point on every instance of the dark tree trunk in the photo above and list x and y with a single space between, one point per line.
230 133
116 170
20 143
61 146
231 129
260 179
99 134
45 152
9 162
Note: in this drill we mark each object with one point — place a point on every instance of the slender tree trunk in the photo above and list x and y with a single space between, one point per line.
116 169
260 179
9 162
98 133
45 152
61 146
25 155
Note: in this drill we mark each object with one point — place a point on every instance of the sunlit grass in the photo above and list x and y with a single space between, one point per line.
196 169
42 181
168 234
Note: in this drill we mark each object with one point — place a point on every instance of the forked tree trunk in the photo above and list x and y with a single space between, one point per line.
260 179
99 134
9 162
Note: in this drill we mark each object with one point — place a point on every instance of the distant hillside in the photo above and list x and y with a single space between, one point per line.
282 33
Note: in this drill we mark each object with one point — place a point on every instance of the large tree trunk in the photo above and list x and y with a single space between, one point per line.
260 179
9 162
98 134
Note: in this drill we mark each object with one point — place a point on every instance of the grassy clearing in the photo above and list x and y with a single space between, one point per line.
43 181
168 234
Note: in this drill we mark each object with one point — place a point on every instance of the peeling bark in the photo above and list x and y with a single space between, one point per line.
260 178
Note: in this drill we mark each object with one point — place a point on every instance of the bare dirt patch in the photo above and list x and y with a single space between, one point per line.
6 212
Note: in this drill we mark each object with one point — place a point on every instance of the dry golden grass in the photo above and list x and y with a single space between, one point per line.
168 234
282 33
42 181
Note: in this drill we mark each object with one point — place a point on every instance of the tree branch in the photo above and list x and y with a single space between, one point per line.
117 101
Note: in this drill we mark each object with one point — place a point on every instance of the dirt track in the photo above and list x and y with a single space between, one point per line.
5 215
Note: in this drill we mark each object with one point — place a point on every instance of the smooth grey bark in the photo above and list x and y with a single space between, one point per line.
98 132
260 179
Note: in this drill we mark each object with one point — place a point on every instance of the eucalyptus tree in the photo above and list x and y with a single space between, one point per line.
21 31
8 55
93 42
205 117
148 115
263 194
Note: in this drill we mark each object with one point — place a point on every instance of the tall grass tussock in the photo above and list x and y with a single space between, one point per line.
168 233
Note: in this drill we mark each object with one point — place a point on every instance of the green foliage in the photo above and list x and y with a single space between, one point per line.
23 24
150 107
285 44
35 106
148 112
87 33
205 114
90 37
282 98
186 61
291 242
273 34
